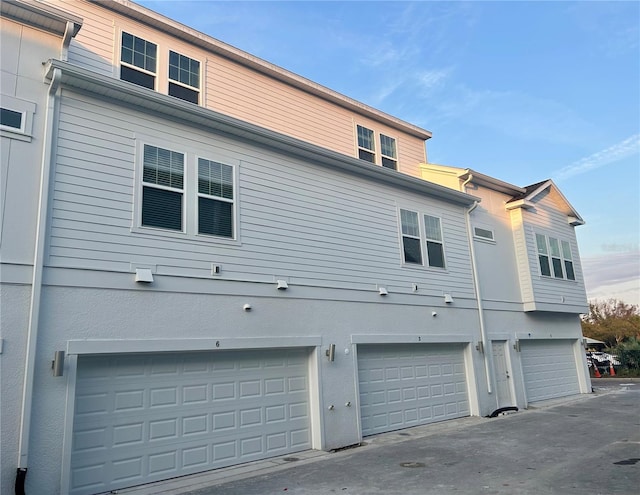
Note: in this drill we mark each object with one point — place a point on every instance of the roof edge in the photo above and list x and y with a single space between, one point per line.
190 35
119 92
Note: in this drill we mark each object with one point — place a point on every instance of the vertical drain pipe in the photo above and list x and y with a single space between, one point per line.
476 283
36 282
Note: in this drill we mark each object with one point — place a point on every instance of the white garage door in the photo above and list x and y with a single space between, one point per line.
147 417
410 385
549 369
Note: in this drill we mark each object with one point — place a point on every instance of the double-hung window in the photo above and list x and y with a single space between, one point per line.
184 193
366 144
162 188
414 238
184 77
138 60
554 257
388 152
215 198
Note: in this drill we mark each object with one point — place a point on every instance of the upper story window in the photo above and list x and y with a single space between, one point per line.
366 144
138 59
185 194
413 239
215 198
162 188
554 257
388 152
484 234
184 77
16 117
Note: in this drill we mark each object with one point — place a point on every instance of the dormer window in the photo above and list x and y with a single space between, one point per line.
138 59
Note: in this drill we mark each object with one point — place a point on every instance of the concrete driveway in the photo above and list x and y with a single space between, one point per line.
586 445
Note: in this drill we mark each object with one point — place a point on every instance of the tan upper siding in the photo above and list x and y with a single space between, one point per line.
523 259
242 91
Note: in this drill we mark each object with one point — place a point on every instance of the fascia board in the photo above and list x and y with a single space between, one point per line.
173 28
573 217
521 203
490 182
126 93
40 15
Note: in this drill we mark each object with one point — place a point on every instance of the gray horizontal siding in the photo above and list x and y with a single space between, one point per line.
302 221
547 218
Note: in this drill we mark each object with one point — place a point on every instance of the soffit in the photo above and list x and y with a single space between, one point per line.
40 15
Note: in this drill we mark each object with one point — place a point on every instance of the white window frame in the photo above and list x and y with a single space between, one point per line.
477 236
27 109
424 253
234 216
190 188
180 83
387 157
372 150
551 254
135 67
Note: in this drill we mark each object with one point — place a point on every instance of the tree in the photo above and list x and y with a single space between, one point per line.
612 321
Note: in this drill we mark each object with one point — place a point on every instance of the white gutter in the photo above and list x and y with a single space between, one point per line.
486 351
38 267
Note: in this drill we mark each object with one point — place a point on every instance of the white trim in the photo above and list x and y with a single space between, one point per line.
412 339
24 107
120 63
121 346
179 83
490 240
67 434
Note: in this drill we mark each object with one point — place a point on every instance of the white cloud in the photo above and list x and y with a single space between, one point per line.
612 154
615 275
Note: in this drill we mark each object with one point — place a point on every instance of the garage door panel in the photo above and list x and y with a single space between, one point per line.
549 369
407 385
145 418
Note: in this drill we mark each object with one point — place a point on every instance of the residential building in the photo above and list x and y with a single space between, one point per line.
209 260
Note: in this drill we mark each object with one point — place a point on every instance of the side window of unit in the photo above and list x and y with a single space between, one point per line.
10 119
184 77
388 152
554 257
215 198
162 188
411 243
138 61
435 246
16 117
484 234
366 144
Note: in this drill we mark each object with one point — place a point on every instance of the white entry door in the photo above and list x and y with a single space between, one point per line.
147 417
549 369
403 385
502 372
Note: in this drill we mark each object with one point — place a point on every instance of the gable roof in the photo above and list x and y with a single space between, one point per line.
526 198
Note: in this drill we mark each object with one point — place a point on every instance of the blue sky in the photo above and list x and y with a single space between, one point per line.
522 91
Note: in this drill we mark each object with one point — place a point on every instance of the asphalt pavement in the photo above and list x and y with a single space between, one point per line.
588 444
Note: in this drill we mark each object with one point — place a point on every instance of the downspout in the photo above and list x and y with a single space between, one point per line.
36 283
476 283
